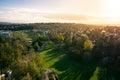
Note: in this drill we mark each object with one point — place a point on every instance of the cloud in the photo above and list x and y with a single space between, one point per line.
27 15
21 15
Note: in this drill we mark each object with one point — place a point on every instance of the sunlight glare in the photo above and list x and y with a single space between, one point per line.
112 8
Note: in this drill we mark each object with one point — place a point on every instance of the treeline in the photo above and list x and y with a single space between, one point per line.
15 27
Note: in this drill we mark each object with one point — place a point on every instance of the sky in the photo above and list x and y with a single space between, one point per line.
78 11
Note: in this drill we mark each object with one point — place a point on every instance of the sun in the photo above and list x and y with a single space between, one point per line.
112 8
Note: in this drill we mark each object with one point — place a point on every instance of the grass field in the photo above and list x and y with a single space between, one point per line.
66 68
26 35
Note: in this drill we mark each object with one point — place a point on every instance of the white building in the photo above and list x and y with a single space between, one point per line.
5 33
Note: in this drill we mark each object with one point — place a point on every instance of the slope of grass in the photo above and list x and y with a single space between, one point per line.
67 68
94 77
26 35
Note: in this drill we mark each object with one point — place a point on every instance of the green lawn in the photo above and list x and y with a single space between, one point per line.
95 75
26 35
67 68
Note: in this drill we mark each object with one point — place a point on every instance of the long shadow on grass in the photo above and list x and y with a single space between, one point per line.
71 70
108 74
53 54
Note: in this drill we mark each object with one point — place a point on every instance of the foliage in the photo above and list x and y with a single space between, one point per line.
88 45
81 42
31 64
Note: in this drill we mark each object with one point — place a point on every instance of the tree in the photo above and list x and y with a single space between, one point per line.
28 76
7 55
35 45
31 64
61 38
88 45
53 35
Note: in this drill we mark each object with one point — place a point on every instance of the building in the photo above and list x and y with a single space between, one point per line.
5 34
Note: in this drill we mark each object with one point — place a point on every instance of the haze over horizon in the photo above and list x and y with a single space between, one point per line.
75 11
